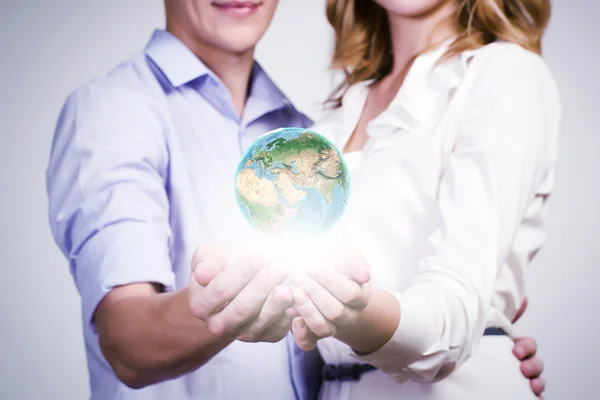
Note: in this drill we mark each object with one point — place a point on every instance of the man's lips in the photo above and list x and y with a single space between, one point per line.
237 5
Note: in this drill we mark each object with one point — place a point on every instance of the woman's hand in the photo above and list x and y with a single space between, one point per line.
329 297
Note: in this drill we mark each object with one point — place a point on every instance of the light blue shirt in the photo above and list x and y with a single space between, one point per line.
142 172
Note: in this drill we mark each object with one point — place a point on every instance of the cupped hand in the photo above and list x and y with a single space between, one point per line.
329 296
239 297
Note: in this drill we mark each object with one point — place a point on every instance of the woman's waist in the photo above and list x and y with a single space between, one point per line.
336 352
490 372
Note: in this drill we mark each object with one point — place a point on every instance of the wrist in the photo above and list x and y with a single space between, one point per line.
375 325
194 331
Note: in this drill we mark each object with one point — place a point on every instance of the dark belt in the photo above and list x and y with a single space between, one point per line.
352 372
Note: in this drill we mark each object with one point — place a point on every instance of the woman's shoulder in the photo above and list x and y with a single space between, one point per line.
503 62
508 80
506 73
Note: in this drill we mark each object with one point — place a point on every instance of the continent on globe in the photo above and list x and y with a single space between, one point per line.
292 181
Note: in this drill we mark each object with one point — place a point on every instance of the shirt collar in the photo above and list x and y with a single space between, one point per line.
264 96
263 87
181 66
423 95
176 61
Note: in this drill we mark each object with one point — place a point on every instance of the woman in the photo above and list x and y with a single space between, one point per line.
449 119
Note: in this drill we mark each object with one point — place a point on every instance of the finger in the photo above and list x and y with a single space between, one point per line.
327 304
532 368
304 337
230 282
248 303
209 260
353 265
312 316
538 385
275 306
521 310
206 270
196 297
524 348
292 312
277 330
344 289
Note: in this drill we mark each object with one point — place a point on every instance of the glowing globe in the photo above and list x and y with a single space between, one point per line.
291 182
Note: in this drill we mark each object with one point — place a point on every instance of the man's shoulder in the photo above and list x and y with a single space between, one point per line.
126 104
130 82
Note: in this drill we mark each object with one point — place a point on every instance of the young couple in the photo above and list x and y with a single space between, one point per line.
448 119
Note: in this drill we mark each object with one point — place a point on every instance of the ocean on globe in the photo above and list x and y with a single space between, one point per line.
292 182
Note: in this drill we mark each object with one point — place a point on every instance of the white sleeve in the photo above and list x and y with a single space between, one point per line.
503 148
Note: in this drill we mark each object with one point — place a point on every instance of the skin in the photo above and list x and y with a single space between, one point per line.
199 321
223 42
414 26
336 300
229 297
366 319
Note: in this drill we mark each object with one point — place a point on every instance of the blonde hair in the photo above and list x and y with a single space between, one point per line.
363 48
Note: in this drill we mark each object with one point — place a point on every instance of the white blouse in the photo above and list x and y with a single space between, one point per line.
448 200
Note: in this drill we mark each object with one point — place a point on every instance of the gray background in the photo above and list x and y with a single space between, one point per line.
49 47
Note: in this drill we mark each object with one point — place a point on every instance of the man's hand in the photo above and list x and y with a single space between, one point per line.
531 366
329 297
525 350
239 298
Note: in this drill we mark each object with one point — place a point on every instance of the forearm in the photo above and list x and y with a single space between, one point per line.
155 338
374 326
434 334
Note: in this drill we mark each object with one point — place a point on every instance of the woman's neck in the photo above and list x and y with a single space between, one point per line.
413 35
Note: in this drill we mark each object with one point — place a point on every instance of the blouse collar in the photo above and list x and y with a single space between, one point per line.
424 94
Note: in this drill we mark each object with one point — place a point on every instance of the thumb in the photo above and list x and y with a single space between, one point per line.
208 261
521 310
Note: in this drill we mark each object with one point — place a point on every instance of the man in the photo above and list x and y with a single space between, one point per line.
141 172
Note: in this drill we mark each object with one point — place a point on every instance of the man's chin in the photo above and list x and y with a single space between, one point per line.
239 41
240 48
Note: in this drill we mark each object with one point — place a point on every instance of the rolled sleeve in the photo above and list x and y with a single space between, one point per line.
501 155
109 209
117 255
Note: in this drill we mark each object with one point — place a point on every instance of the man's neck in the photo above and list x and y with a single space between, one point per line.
234 70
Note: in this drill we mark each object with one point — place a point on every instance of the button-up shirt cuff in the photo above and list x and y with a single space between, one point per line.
411 340
120 254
